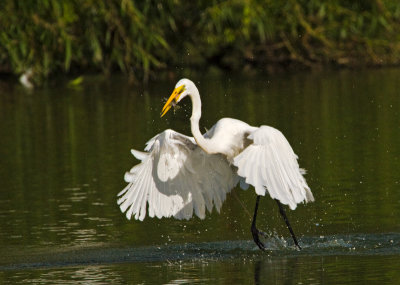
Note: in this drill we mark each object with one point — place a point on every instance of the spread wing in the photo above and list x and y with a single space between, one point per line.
270 163
175 178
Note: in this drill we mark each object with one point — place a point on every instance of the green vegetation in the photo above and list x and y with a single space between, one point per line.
143 37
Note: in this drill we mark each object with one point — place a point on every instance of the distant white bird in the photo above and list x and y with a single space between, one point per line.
179 175
25 79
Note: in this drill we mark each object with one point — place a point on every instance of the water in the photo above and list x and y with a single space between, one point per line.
64 150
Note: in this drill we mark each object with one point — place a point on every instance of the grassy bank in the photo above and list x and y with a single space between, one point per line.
143 37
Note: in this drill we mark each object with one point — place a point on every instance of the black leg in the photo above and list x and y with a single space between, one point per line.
254 231
282 211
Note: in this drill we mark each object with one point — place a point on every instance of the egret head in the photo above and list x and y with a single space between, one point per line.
183 88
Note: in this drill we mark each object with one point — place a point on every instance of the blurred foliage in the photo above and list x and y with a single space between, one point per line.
142 37
50 36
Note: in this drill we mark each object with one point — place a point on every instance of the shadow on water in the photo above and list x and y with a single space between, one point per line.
338 245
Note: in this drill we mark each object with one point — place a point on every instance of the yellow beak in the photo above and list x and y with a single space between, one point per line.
173 99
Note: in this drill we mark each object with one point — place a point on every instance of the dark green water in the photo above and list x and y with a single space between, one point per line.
64 151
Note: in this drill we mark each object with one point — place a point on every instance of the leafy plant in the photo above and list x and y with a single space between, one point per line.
142 37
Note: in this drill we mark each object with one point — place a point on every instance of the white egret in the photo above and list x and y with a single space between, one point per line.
180 175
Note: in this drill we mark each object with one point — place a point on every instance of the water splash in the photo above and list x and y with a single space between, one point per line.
339 245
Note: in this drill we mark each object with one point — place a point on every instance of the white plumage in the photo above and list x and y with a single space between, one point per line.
180 175
269 163
176 178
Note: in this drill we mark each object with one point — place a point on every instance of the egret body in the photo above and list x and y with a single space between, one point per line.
180 175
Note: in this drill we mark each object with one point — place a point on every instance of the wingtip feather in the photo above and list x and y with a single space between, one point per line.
140 155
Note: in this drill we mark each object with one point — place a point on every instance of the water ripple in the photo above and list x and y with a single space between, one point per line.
334 245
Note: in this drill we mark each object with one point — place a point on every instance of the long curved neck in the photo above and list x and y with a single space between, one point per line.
204 143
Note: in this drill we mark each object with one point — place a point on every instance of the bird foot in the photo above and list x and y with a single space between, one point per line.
256 237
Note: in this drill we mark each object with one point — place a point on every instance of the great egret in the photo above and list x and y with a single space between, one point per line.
179 175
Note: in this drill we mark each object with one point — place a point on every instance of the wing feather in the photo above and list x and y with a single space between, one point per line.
269 163
175 178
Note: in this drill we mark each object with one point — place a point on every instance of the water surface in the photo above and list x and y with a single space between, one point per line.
64 150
